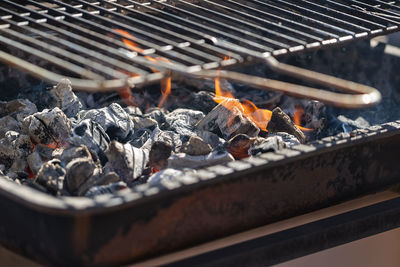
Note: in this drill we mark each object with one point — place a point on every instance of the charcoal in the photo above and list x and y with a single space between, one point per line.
133 111
144 123
281 122
167 177
19 165
81 173
14 146
8 123
44 151
98 179
315 117
228 122
91 134
159 154
20 108
270 144
48 127
202 101
113 119
74 152
51 175
211 138
182 160
288 139
183 121
196 147
3 109
105 189
34 185
156 114
168 137
239 145
34 161
140 137
125 160
67 101
358 123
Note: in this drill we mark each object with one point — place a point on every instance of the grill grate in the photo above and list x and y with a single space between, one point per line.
80 38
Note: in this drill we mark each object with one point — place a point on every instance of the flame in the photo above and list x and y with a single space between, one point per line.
165 84
297 119
260 117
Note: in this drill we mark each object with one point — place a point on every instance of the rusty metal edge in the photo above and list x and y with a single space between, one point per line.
139 195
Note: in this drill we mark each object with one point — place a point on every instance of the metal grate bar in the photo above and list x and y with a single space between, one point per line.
190 34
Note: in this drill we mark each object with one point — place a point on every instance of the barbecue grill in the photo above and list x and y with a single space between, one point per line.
84 40
195 37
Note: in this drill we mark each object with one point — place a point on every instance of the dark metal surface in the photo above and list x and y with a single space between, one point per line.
78 38
216 201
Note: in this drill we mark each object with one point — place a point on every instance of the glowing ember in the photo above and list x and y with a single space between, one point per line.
125 94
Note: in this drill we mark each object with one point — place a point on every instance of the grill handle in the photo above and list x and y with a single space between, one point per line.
356 96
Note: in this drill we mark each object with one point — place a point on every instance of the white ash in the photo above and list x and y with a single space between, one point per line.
167 177
113 119
14 146
67 101
169 137
71 153
183 121
133 111
358 123
269 144
182 160
196 146
92 135
126 160
8 123
51 175
48 127
229 122
288 139
105 189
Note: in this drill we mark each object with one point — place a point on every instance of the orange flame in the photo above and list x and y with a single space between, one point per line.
125 94
260 117
297 119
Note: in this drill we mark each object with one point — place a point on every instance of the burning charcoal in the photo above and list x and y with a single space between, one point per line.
44 151
196 147
113 119
20 108
167 176
126 160
183 121
239 145
91 134
144 123
168 137
48 127
182 160
51 175
229 122
281 122
159 154
67 101
14 146
270 144
34 161
211 138
8 123
105 189
81 174
140 137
